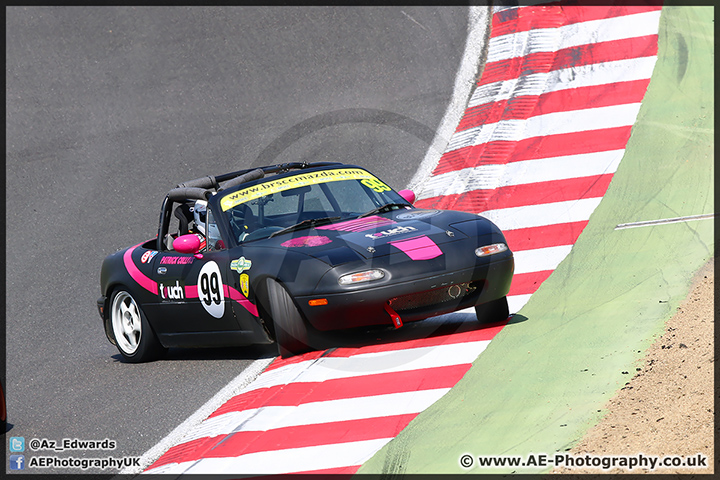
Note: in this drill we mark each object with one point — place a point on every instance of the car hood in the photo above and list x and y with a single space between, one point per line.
419 234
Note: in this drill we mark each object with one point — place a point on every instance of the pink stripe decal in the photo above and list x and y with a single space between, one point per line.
142 280
359 224
233 294
420 248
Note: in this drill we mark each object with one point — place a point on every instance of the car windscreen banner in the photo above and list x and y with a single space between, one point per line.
301 180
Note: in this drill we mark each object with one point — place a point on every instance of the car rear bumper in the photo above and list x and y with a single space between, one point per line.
411 300
101 306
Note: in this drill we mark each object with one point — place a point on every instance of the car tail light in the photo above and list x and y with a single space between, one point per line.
359 277
486 250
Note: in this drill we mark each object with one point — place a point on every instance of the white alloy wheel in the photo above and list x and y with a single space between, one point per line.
126 322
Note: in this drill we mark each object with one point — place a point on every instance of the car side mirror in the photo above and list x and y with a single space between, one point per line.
189 243
408 195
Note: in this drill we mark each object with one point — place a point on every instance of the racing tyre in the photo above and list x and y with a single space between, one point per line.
491 312
133 336
291 333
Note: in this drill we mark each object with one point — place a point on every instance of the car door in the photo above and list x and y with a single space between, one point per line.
192 292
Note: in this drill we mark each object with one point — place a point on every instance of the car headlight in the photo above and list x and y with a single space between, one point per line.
486 250
359 277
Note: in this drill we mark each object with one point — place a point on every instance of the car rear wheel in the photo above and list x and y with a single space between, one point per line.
133 336
291 333
491 312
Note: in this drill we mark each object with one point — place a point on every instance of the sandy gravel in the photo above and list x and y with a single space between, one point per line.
667 408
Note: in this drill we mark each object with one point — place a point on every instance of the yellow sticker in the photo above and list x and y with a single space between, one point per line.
245 284
376 185
300 180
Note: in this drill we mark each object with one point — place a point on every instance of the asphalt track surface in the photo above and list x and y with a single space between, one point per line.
109 107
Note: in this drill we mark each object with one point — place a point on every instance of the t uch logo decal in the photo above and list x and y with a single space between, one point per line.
391 232
172 292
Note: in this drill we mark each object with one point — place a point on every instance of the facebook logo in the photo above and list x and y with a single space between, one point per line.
17 462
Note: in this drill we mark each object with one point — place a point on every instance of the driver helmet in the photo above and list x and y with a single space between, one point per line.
200 215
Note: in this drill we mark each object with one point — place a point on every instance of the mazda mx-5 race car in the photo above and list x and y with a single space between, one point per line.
285 252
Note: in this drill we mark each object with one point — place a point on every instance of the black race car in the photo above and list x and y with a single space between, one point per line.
285 252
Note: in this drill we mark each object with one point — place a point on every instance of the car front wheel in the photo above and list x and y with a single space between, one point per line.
133 336
291 333
491 312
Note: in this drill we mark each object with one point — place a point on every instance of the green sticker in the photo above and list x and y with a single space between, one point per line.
240 265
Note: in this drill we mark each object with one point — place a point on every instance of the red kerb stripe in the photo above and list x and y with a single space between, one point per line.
473 334
478 201
364 386
241 443
527 283
581 55
552 15
544 236
610 94
500 152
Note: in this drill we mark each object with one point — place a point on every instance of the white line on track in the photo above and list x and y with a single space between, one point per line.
479 19
665 221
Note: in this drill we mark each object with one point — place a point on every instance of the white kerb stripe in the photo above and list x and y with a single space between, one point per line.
281 461
330 368
565 79
543 214
490 177
540 259
573 35
521 44
549 124
517 302
269 418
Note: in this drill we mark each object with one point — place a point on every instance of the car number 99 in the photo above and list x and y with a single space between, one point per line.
210 289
